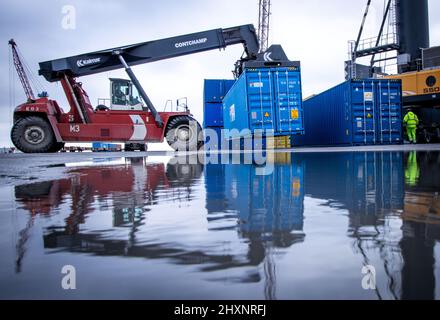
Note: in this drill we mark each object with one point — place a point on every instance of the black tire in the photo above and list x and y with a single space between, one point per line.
183 133
128 148
57 146
102 107
33 135
183 174
143 147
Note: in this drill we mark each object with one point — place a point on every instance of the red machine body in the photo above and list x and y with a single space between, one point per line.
99 125
40 125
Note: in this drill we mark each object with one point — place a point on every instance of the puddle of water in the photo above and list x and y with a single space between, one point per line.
153 229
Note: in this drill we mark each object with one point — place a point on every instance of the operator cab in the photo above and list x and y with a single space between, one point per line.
123 96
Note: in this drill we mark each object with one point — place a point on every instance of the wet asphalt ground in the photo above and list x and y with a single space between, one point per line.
19 168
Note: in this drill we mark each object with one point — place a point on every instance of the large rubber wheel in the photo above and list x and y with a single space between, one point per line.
33 135
128 147
102 107
183 133
143 148
57 146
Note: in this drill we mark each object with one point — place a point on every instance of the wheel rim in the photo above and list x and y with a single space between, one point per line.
34 135
183 133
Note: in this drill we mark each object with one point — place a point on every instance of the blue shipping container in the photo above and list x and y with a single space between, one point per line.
356 112
213 115
265 99
102 146
215 139
97 146
214 92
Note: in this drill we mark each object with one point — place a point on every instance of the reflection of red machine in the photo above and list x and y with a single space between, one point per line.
86 183
130 187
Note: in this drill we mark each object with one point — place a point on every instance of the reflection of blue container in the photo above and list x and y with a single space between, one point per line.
276 201
365 183
356 112
378 182
266 203
215 188
265 99
214 92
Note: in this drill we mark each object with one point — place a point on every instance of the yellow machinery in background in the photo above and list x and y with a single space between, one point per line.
420 87
421 92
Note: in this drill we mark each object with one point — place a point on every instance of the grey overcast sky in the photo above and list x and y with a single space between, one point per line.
312 31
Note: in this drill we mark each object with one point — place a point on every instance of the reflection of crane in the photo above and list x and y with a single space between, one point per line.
21 244
263 24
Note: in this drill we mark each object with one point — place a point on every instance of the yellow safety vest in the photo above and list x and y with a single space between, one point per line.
411 120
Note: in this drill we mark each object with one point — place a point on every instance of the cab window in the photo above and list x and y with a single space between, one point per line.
120 93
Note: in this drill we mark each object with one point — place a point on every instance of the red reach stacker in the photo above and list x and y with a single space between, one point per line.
41 125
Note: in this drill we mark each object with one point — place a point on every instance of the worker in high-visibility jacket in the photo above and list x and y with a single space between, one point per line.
411 121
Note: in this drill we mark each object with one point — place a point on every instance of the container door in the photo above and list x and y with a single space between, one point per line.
389 112
288 100
213 115
363 110
260 100
213 91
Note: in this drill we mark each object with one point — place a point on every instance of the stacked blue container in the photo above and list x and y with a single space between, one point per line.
356 112
267 99
214 92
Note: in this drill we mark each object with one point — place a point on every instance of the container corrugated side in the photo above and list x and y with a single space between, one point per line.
326 118
356 112
267 99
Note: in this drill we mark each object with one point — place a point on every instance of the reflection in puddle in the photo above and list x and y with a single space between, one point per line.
228 225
